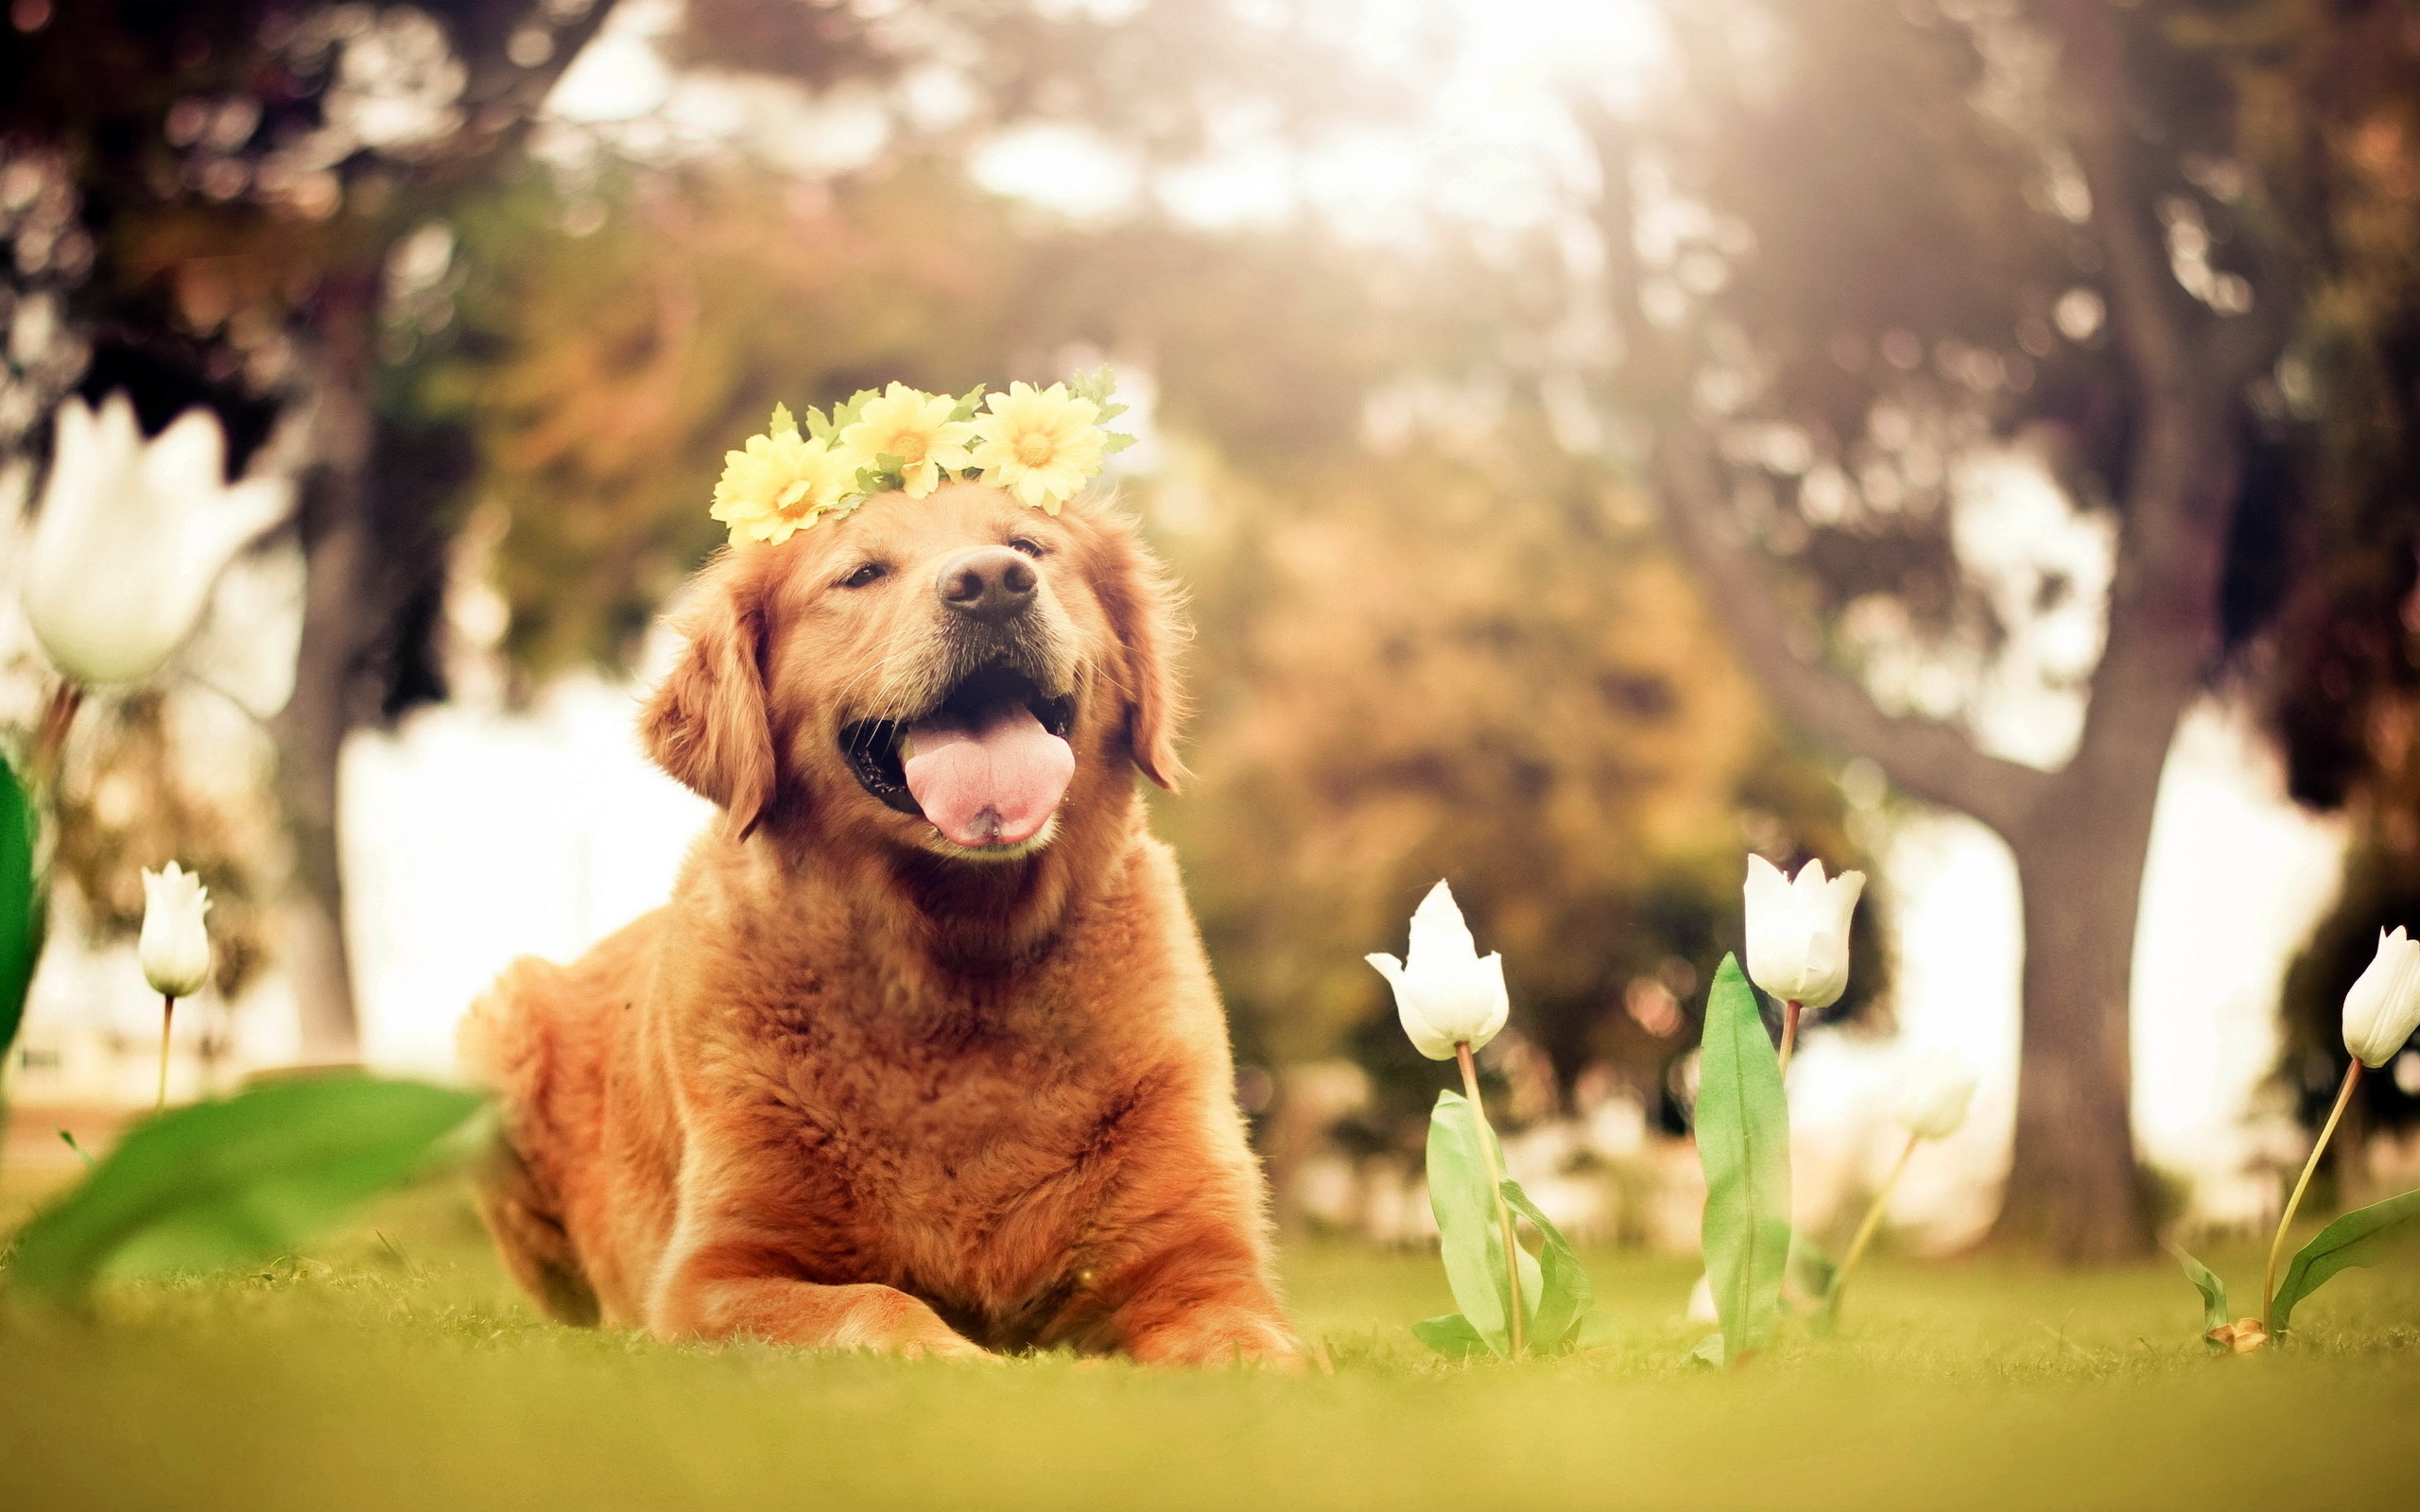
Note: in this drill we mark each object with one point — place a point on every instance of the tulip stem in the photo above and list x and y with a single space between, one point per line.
2278 1246
1865 1230
167 1016
50 737
1495 1190
1790 1011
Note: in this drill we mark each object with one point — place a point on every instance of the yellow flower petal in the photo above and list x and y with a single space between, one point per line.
779 484
1040 445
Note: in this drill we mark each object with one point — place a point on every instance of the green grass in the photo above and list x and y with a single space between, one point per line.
397 1369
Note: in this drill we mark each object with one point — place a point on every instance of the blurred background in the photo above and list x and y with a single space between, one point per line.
1969 440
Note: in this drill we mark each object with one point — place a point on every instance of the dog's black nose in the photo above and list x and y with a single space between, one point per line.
990 584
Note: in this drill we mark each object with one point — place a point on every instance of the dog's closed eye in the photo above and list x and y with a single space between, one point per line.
867 572
1029 546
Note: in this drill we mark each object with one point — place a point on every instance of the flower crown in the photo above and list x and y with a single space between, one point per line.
1040 445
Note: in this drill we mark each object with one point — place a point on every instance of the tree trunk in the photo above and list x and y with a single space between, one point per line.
2075 1191
311 730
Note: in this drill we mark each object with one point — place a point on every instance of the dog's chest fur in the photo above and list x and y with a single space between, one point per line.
957 1146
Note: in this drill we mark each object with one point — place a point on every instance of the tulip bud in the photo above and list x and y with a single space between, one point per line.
1444 991
1798 932
2384 1007
175 946
132 537
1934 1095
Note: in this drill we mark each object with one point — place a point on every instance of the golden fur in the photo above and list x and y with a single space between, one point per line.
853 1087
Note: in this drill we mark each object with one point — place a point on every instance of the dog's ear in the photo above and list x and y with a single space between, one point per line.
1142 610
706 723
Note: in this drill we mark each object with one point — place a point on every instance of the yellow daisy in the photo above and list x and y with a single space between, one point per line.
914 427
1039 444
781 483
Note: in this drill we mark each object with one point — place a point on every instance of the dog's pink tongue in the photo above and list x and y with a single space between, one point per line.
997 785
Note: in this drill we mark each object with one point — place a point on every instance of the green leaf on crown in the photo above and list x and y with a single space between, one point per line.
1743 1143
969 402
1098 386
845 416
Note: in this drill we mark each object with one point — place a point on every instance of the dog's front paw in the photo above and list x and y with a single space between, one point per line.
1222 1336
892 1322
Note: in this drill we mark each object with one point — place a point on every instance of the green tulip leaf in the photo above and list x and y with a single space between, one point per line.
219 1183
2362 1237
1451 1336
1743 1143
1597 1330
1469 1238
21 904
1810 1274
1709 1351
2214 1296
1565 1295
1809 1271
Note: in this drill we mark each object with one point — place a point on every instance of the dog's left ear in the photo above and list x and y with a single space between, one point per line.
1141 602
706 723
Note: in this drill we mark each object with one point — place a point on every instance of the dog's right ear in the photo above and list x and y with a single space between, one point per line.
706 723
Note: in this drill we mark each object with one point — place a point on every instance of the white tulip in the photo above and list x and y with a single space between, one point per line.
175 946
132 536
1444 991
1934 1094
2384 1007
1798 933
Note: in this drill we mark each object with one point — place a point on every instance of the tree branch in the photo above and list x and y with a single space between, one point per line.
1926 757
2152 315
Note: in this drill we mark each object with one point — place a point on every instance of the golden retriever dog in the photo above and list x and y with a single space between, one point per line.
922 1055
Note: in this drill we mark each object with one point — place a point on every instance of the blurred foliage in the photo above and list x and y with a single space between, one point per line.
2333 105
1411 660
128 803
1442 645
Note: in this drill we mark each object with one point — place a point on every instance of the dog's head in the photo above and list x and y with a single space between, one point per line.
949 674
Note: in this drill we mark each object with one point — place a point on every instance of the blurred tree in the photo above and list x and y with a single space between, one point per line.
1420 666
1880 244
2331 109
244 203
227 184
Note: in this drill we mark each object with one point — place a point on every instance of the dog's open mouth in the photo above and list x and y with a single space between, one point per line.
987 767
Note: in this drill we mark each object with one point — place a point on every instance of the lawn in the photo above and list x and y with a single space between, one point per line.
395 1368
